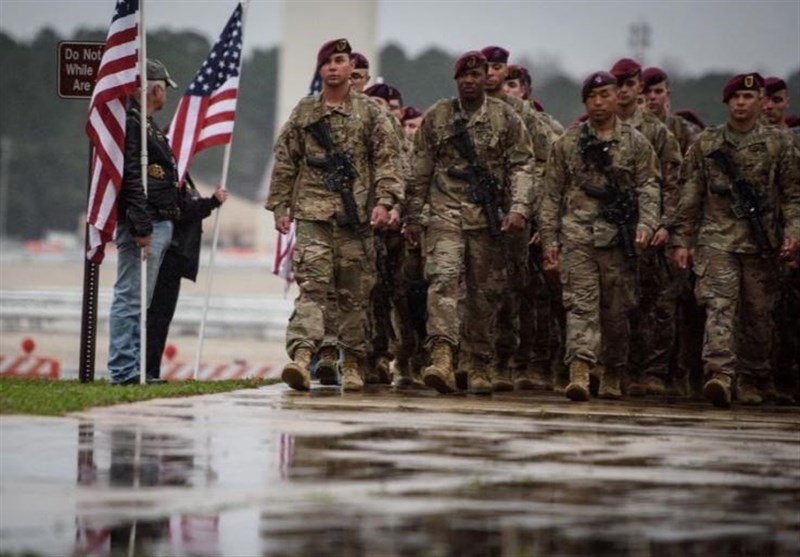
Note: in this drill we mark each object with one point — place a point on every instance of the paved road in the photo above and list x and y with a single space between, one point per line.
272 472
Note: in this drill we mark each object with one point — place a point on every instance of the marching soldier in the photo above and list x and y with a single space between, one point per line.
336 154
599 205
739 212
468 152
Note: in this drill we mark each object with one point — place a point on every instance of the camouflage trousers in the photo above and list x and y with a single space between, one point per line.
739 292
464 266
409 313
654 318
508 329
330 259
599 293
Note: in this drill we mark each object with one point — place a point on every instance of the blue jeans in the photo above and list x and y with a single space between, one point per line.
124 346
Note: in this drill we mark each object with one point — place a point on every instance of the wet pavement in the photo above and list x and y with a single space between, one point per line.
384 473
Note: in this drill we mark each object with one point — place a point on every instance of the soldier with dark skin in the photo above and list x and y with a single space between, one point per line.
462 257
332 253
587 250
658 288
736 259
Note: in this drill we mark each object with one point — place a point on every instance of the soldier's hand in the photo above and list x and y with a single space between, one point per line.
221 195
411 233
536 239
660 238
513 222
379 218
682 257
144 244
550 258
789 248
394 219
283 224
642 238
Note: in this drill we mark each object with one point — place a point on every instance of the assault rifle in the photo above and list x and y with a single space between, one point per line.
339 174
620 207
747 202
483 188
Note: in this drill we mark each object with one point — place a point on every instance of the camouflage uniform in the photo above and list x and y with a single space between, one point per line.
654 317
683 131
509 330
736 284
461 259
327 256
599 286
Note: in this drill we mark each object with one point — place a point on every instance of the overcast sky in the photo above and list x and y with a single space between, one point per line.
582 36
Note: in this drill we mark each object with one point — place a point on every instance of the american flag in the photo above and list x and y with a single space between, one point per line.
206 113
117 78
284 247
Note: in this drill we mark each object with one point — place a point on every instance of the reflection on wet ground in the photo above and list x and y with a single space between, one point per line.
272 472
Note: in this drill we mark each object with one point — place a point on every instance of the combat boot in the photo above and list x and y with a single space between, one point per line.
480 382
633 386
609 384
351 373
439 375
327 372
296 373
402 374
746 390
540 376
654 386
501 378
383 371
522 382
578 388
718 390
680 386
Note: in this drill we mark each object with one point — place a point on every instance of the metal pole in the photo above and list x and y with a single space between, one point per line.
144 160
91 282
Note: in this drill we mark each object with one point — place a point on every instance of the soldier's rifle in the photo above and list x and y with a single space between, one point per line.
483 188
747 202
620 207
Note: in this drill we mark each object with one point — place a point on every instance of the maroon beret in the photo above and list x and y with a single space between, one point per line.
653 76
495 54
410 112
774 84
394 94
468 61
360 61
691 116
793 121
742 82
538 106
516 71
625 68
380 90
597 79
330 48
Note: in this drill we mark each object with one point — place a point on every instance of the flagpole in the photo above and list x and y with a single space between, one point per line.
226 160
144 161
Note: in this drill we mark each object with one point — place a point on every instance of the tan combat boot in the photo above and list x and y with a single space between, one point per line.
383 371
522 381
578 388
439 375
296 373
747 391
718 390
402 374
501 378
610 384
326 367
480 382
654 386
351 373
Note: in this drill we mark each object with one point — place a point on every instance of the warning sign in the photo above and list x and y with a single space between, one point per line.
78 63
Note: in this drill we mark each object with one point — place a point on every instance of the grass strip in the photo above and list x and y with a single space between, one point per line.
47 397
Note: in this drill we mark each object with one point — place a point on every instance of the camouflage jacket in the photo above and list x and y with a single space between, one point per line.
358 127
568 215
683 130
502 146
768 160
668 152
